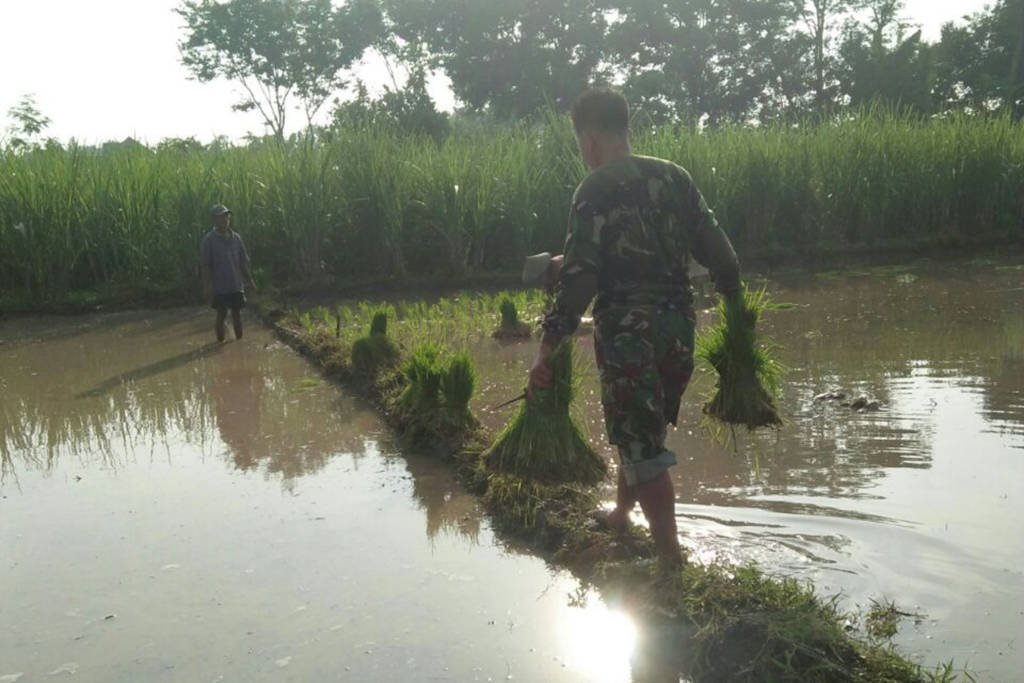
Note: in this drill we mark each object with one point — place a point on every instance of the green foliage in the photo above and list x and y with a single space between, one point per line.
376 349
379 325
712 60
748 376
423 372
409 110
277 50
458 384
980 64
369 202
511 59
26 126
509 314
372 352
543 442
435 400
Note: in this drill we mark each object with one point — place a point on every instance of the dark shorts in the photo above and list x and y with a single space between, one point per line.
234 301
645 356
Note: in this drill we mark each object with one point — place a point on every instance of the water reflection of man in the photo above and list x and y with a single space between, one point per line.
237 391
225 263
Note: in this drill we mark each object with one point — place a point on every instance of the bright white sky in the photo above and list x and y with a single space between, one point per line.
109 69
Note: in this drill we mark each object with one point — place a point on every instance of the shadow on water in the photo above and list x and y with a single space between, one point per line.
153 369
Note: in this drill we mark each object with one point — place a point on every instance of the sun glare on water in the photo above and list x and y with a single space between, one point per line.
598 641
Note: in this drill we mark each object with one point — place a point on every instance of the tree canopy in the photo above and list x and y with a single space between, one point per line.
707 62
277 50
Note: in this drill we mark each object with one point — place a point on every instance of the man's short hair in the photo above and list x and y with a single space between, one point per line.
600 110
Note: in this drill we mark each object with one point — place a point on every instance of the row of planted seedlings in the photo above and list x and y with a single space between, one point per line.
539 476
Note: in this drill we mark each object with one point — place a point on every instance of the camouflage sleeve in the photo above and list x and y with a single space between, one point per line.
577 280
709 244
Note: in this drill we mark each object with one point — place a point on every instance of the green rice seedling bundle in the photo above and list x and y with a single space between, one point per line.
511 326
542 442
457 385
423 373
748 376
435 401
375 349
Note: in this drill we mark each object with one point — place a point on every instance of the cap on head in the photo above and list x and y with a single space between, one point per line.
219 210
535 270
600 110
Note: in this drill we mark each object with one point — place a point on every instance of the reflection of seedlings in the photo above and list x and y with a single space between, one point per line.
748 375
511 326
543 442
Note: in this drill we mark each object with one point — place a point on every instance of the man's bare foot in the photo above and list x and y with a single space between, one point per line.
616 520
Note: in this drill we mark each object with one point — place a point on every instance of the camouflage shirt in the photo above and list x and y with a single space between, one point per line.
634 224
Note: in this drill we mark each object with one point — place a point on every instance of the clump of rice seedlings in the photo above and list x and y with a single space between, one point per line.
748 376
457 385
379 325
543 442
423 373
375 349
511 326
435 401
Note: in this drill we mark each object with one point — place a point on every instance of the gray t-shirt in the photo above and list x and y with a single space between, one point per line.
226 256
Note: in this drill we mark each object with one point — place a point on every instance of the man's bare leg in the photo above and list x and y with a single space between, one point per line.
219 327
657 499
236 320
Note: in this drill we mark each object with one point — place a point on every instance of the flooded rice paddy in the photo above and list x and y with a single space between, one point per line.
172 509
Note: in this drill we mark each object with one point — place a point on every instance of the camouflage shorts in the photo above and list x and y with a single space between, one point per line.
645 356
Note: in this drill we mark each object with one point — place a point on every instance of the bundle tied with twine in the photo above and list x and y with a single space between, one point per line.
543 442
749 377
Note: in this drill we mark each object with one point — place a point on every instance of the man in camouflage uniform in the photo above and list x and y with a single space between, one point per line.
634 223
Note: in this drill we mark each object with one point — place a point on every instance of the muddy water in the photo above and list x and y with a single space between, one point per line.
172 510
921 502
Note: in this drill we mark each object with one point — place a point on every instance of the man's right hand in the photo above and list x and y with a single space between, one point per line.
554 268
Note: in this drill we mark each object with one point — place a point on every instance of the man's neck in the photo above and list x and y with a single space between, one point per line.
614 151
224 232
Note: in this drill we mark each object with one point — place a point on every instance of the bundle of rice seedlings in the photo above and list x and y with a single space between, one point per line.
511 326
542 442
379 325
375 349
423 375
457 385
435 401
748 377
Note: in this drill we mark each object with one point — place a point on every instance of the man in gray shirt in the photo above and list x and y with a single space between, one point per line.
225 263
